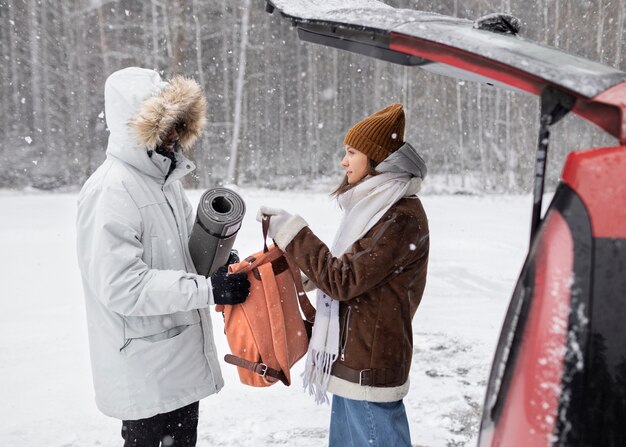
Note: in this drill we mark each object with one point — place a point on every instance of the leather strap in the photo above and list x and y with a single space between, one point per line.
379 377
265 226
259 368
305 304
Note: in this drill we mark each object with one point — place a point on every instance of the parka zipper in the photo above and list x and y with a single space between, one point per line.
344 335
181 242
202 324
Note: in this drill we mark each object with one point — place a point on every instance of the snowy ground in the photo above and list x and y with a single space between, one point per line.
477 248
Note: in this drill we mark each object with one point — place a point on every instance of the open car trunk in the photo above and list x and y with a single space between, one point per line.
486 50
559 371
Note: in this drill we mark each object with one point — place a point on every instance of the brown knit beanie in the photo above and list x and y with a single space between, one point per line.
379 134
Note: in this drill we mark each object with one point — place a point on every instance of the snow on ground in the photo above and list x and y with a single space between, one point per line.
477 248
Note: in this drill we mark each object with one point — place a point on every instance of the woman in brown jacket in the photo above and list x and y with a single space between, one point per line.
370 283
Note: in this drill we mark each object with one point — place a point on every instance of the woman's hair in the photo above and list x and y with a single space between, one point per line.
345 186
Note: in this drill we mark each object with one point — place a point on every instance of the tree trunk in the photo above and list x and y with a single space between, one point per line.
600 32
512 159
459 120
620 32
35 66
168 37
225 65
47 84
177 27
484 162
232 174
104 45
15 75
198 48
155 33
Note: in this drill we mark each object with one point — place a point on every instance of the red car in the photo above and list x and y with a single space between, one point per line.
559 372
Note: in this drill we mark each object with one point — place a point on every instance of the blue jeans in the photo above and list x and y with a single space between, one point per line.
359 423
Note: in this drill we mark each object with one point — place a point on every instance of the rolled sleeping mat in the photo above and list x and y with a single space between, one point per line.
219 217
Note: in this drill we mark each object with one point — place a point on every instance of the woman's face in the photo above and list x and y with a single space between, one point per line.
355 163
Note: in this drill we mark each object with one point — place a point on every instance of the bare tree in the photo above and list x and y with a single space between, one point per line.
232 173
279 98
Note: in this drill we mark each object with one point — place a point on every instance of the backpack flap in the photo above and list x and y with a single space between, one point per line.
273 300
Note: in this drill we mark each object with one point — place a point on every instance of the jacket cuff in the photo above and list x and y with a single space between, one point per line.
205 292
288 231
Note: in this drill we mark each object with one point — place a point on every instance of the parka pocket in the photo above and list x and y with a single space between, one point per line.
157 341
155 329
165 369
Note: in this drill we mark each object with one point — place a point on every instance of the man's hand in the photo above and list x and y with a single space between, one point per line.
230 288
233 258
278 218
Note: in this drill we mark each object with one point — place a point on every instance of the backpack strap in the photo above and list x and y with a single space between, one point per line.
279 345
303 299
265 225
257 367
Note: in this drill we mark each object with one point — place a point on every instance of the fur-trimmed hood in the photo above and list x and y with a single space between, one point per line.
141 108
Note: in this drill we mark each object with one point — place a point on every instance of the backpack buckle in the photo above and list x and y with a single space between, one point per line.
264 368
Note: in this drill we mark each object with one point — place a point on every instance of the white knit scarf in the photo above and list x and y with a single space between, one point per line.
362 206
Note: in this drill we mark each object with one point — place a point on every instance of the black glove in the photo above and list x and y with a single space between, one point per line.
233 258
230 288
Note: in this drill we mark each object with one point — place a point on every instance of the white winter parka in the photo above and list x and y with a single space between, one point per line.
150 334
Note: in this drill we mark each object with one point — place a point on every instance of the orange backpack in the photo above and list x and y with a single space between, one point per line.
266 333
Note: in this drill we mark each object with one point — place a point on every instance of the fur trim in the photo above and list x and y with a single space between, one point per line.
289 230
181 100
354 391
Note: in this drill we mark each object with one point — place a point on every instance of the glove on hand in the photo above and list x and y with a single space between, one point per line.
230 288
233 258
279 218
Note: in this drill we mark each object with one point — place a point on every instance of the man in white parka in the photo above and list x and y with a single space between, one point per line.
151 340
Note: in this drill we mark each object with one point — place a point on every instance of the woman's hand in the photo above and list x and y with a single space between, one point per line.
278 218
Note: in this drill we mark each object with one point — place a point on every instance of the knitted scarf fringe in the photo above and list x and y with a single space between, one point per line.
316 374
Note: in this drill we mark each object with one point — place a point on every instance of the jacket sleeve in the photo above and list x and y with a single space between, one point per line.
110 253
371 261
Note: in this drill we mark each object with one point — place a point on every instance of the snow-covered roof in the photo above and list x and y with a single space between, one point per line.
361 13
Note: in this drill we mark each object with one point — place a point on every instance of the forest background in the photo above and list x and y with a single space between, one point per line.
278 108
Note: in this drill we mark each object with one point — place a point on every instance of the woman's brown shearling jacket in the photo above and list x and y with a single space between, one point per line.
379 283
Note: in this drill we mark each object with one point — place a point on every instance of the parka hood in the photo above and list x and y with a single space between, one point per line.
141 108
